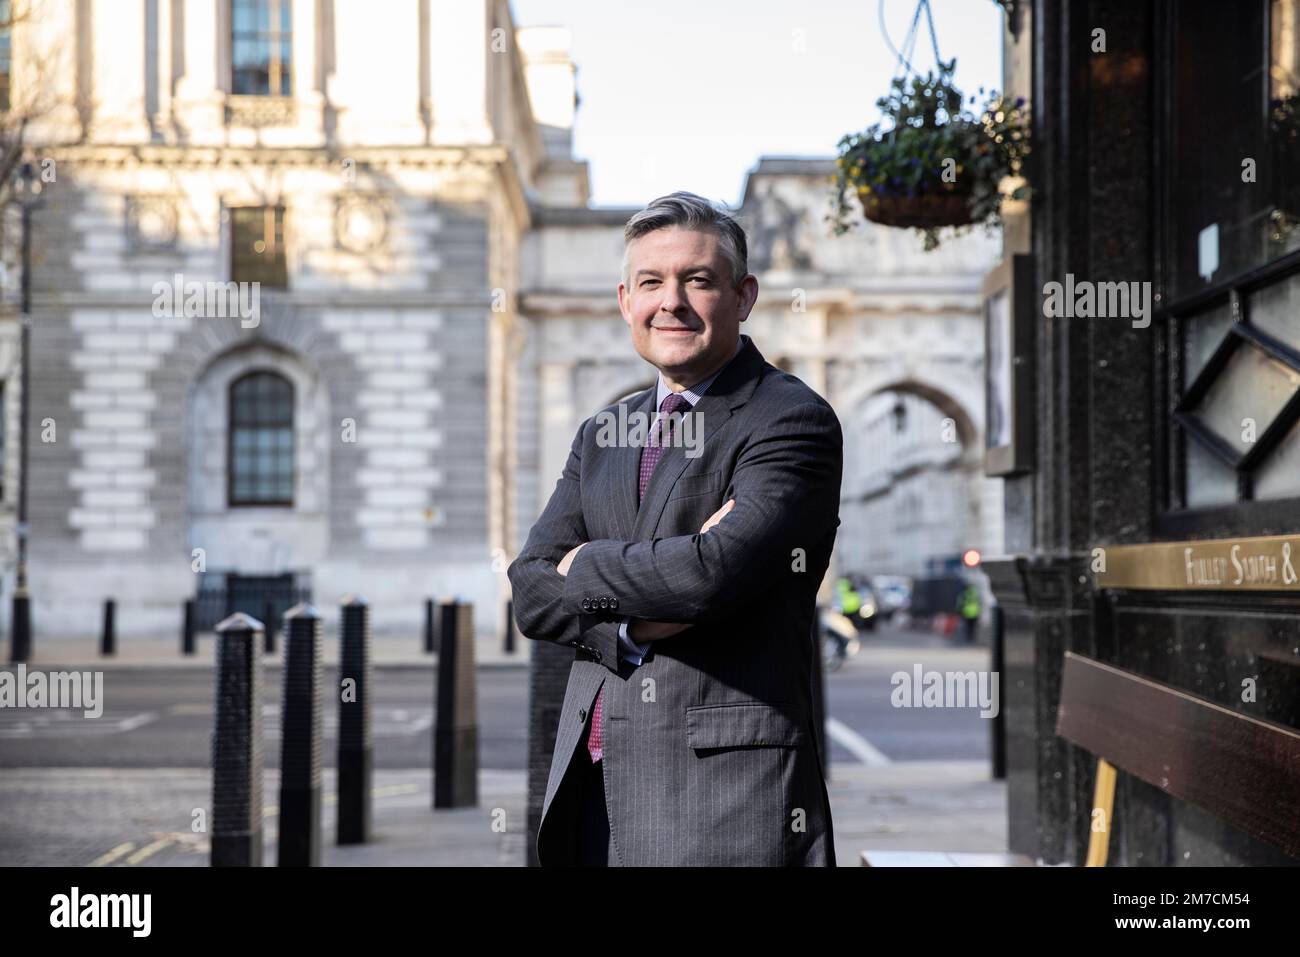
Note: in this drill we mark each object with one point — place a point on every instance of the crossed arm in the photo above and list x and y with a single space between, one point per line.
786 484
640 629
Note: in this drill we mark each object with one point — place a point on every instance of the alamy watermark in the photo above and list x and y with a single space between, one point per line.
1098 300
75 909
946 689
630 430
209 300
57 689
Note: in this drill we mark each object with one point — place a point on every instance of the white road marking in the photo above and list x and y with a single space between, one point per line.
855 744
65 723
136 721
420 724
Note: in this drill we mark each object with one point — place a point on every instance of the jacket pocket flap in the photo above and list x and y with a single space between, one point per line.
689 485
733 725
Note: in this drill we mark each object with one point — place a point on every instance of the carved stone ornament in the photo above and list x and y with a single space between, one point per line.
361 222
151 222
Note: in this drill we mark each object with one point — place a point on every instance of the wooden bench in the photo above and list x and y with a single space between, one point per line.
1239 768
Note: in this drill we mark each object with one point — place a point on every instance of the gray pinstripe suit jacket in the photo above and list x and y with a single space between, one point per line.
709 753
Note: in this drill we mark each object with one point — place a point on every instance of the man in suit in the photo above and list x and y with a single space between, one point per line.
683 567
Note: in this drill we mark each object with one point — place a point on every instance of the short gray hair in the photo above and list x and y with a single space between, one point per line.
691 212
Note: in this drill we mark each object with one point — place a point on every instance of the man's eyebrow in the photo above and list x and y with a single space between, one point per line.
692 270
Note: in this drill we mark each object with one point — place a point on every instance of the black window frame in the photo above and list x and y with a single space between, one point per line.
237 501
274 36
1173 519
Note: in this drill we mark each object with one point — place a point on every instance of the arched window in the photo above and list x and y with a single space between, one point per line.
260 452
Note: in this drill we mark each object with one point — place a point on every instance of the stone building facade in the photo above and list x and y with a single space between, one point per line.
195 144
435 313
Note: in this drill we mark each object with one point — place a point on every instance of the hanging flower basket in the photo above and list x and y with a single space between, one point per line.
930 165
933 211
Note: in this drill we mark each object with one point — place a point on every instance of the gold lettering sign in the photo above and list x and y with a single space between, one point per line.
1230 564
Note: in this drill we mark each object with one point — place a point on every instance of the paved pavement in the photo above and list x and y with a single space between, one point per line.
144 817
915 780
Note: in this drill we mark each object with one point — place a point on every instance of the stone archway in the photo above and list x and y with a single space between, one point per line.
912 490
959 404
967 430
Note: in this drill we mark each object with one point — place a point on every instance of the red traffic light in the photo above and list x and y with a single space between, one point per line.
971 557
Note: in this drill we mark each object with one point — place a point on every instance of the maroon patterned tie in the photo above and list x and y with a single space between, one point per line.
651 452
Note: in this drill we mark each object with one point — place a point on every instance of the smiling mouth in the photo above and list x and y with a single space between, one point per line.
672 329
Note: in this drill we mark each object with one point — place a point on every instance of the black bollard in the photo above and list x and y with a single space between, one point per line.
108 638
187 628
509 643
356 748
300 739
455 733
428 626
237 746
20 638
268 616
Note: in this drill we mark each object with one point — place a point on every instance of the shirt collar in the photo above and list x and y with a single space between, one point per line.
695 392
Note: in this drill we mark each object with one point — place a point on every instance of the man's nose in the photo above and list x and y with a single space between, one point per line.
673 298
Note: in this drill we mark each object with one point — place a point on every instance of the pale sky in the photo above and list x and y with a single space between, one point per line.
688 94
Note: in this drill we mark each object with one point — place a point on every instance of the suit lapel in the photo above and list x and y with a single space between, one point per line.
730 390
627 469
709 413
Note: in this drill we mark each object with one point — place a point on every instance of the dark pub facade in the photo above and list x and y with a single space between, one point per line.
1148 597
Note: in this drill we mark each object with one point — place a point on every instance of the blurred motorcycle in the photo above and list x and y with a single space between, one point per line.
839 638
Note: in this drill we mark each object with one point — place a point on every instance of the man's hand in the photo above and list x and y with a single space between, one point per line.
717 516
640 630
567 560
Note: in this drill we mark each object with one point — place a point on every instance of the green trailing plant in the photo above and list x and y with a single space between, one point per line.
930 164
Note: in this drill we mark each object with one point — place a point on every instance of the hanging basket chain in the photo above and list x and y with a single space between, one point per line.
903 66
928 164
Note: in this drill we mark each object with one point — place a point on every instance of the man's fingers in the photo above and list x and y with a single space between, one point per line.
717 516
567 560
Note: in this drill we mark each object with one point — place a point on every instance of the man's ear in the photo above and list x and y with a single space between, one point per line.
625 303
748 295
